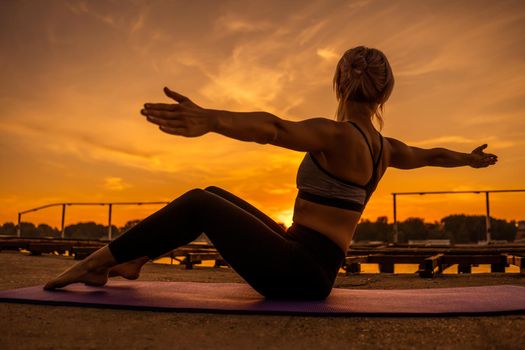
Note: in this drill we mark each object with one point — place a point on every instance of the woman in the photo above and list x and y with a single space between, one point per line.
345 159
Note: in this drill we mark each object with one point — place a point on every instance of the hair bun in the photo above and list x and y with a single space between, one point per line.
360 70
363 74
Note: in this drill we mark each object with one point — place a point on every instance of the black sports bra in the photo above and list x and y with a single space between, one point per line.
317 185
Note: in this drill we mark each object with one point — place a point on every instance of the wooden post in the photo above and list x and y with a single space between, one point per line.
18 230
426 269
109 221
63 216
464 268
497 267
487 217
353 268
395 218
352 264
386 267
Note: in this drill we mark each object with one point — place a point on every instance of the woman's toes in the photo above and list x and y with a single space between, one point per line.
49 286
78 274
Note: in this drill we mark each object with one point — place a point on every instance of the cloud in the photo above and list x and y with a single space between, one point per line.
230 23
492 141
328 54
442 140
245 81
310 32
77 7
80 8
259 73
115 184
458 69
138 24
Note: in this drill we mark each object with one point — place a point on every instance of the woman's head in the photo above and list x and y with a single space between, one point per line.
363 75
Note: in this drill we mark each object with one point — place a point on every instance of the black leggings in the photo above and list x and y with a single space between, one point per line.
298 263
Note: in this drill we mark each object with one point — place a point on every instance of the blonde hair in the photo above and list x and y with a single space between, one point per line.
363 75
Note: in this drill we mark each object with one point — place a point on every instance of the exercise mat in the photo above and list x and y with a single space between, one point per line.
241 298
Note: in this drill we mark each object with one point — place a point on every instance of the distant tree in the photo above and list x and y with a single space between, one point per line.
379 230
501 229
464 228
44 230
129 224
412 229
88 230
435 231
364 231
8 228
28 229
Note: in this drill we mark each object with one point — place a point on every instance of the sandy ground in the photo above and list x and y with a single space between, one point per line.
63 327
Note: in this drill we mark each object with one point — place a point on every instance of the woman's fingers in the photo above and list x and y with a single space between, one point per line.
166 122
159 113
162 106
480 149
174 95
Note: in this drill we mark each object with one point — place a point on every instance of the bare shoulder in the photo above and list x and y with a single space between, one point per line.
394 150
403 156
312 134
392 142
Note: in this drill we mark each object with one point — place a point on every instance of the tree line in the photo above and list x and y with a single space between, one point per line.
456 228
82 230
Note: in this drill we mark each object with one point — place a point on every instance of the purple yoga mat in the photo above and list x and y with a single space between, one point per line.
241 298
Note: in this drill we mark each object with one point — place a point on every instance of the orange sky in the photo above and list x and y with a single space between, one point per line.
74 75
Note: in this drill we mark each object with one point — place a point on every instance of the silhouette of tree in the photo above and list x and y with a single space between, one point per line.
129 224
44 230
464 228
8 228
503 230
89 230
380 230
459 228
28 229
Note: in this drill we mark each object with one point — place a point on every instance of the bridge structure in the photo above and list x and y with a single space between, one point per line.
487 206
64 205
432 260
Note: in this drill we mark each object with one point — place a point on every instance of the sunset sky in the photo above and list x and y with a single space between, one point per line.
74 75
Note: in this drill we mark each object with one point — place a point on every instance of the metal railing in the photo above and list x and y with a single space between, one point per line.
109 204
487 206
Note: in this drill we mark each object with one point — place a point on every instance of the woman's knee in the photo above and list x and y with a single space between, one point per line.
193 196
214 189
194 192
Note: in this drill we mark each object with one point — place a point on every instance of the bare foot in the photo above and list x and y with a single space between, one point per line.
129 270
92 271
79 273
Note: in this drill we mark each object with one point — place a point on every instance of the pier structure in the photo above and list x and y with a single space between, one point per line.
487 207
64 205
432 260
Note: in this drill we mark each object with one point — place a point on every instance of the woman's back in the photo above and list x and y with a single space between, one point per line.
351 161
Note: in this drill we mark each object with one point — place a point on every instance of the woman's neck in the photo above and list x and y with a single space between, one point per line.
359 112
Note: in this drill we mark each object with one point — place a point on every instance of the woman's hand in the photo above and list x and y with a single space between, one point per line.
184 118
479 159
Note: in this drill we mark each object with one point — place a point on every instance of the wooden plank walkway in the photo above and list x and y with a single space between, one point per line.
431 260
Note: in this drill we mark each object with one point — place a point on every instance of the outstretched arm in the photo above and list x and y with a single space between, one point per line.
314 134
403 156
187 119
